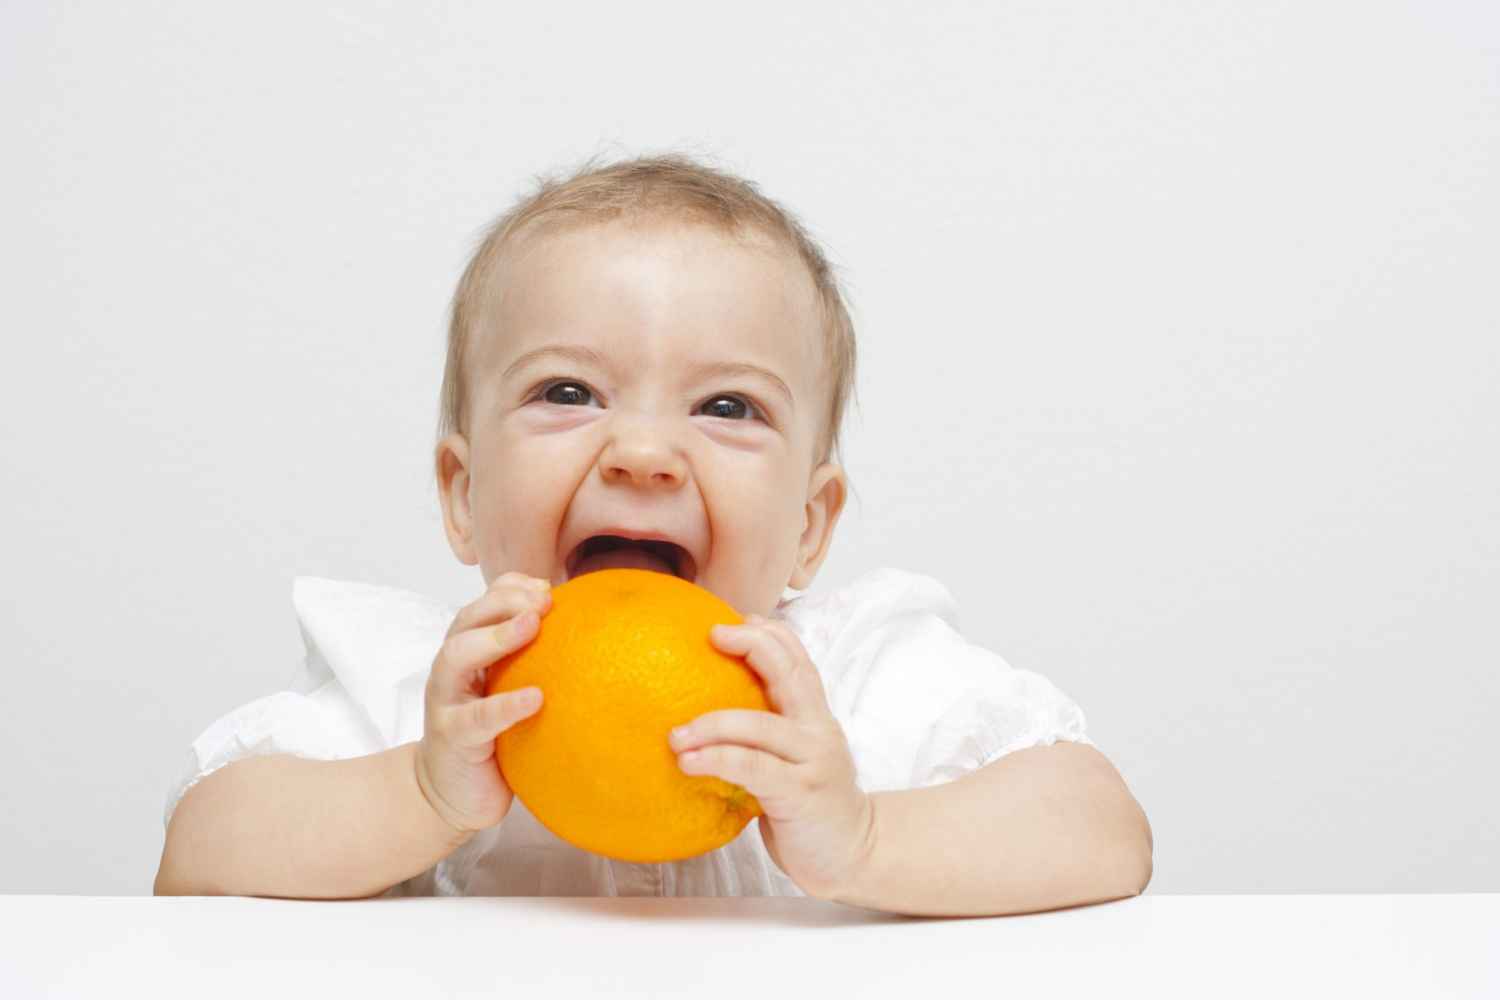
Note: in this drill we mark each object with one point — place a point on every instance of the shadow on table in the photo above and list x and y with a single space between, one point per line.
786 911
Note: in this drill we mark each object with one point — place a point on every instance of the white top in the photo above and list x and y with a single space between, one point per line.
918 703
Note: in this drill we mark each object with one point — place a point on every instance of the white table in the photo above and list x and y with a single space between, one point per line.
766 948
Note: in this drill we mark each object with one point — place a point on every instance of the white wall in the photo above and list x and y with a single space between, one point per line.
1178 329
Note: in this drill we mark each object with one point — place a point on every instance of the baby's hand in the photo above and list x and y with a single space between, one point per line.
456 766
816 822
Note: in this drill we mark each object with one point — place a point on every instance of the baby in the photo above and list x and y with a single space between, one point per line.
648 365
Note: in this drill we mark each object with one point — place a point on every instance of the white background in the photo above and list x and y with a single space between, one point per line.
1177 331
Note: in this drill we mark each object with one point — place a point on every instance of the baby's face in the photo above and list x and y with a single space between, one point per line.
595 408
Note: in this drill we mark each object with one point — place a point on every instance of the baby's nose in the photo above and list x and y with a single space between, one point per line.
645 458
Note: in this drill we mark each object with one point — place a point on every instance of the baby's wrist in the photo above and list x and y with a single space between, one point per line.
433 805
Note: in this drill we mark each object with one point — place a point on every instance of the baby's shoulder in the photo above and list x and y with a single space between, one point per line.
858 608
349 608
888 588
372 638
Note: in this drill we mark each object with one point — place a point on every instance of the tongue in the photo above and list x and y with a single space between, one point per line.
625 557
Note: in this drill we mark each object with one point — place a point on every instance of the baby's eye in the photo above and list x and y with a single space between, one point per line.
564 399
569 393
731 398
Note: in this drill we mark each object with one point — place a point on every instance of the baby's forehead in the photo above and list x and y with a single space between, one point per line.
679 240
643 286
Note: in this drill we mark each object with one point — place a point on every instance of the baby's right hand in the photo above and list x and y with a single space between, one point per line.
456 765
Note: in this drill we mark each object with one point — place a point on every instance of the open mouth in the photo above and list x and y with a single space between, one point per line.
647 554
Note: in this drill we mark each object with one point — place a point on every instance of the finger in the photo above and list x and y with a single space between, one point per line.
477 722
515 578
770 779
766 731
788 689
796 651
463 661
498 603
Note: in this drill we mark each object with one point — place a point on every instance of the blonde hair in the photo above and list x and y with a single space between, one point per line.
672 186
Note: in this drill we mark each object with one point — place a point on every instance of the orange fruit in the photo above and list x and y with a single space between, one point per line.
622 657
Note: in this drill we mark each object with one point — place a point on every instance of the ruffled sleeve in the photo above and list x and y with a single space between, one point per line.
367 652
920 704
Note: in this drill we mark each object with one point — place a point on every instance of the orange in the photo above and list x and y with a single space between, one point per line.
621 657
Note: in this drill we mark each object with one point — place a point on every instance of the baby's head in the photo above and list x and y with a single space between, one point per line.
648 349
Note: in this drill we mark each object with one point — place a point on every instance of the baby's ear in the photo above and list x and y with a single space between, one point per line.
827 492
451 465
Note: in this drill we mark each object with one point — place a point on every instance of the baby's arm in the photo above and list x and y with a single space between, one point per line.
284 826
280 825
1038 829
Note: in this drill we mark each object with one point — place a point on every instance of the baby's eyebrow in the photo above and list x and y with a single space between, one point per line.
571 352
580 354
744 368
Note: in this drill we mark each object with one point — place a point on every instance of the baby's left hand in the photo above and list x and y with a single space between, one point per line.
816 822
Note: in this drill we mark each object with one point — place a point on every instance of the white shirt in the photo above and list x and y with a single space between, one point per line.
918 704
